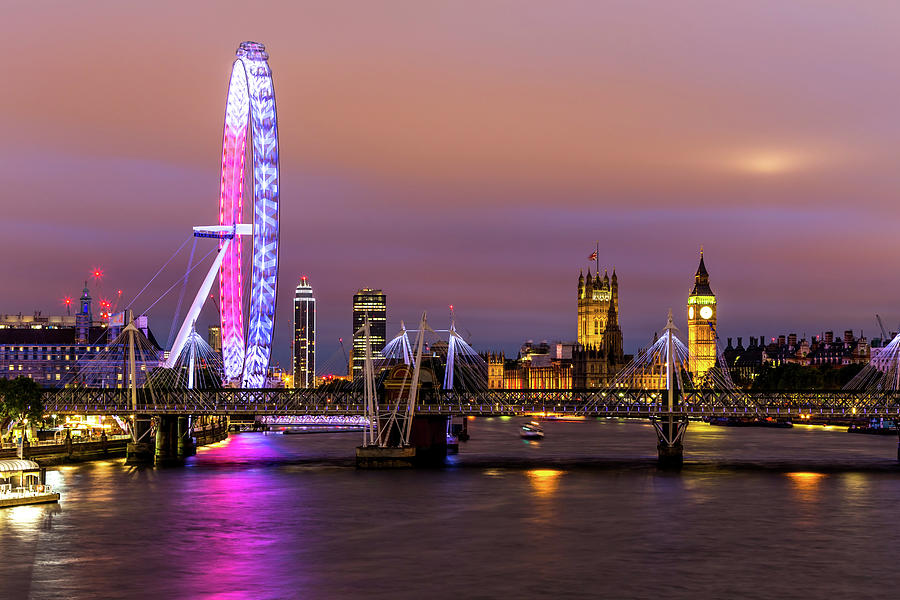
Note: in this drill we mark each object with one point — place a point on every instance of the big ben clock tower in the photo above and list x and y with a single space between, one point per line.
702 316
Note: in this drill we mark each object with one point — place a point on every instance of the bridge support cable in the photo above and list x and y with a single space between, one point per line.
372 433
166 264
664 365
882 373
414 386
199 300
671 428
187 272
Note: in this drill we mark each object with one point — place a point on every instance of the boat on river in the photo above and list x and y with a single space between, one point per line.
532 431
22 482
877 426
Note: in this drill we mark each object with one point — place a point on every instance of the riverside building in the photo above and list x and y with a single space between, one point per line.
54 350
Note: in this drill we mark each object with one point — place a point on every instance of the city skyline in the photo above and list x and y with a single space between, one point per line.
313 299
775 153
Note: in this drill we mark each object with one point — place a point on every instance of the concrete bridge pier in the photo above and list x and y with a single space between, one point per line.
139 450
670 435
185 445
429 437
167 441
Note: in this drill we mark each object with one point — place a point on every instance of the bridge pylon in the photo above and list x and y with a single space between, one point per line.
395 436
671 426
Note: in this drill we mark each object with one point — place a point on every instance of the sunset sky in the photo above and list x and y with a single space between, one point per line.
471 153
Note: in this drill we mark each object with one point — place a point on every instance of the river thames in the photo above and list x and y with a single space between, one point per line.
756 513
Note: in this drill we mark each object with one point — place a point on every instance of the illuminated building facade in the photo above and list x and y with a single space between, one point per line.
52 350
702 316
214 338
531 371
304 345
373 303
596 297
598 356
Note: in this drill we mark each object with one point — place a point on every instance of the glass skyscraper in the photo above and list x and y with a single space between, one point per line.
374 303
304 349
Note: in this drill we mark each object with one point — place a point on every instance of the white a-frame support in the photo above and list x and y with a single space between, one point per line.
215 231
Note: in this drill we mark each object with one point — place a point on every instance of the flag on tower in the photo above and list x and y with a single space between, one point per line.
593 255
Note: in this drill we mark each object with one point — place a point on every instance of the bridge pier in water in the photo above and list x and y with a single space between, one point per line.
172 439
427 446
670 440
174 442
670 428
139 450
395 436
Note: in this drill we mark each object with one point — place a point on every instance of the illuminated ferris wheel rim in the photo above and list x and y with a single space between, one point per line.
249 112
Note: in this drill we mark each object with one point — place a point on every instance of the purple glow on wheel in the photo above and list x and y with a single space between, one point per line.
250 110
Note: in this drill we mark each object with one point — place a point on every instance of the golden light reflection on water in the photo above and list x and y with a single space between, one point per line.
806 485
544 482
25 515
804 479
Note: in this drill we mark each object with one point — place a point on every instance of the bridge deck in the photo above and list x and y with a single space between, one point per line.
600 403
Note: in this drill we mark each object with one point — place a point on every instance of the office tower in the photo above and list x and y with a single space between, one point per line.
214 338
374 304
304 345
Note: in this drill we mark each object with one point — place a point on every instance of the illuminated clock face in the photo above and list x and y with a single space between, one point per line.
706 312
690 312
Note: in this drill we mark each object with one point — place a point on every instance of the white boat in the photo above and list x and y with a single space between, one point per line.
532 431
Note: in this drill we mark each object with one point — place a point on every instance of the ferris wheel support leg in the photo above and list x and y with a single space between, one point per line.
194 311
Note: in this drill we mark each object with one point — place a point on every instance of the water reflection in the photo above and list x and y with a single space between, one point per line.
544 482
807 489
806 484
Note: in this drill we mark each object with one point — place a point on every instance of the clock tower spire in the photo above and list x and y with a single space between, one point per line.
702 318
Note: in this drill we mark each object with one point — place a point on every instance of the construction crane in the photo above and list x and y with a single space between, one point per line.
346 358
884 335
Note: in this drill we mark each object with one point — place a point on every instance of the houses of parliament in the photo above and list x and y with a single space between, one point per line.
597 355
592 361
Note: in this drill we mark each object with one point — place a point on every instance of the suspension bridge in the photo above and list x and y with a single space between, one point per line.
400 392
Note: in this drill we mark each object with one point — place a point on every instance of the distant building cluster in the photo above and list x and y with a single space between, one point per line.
538 367
56 350
746 362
